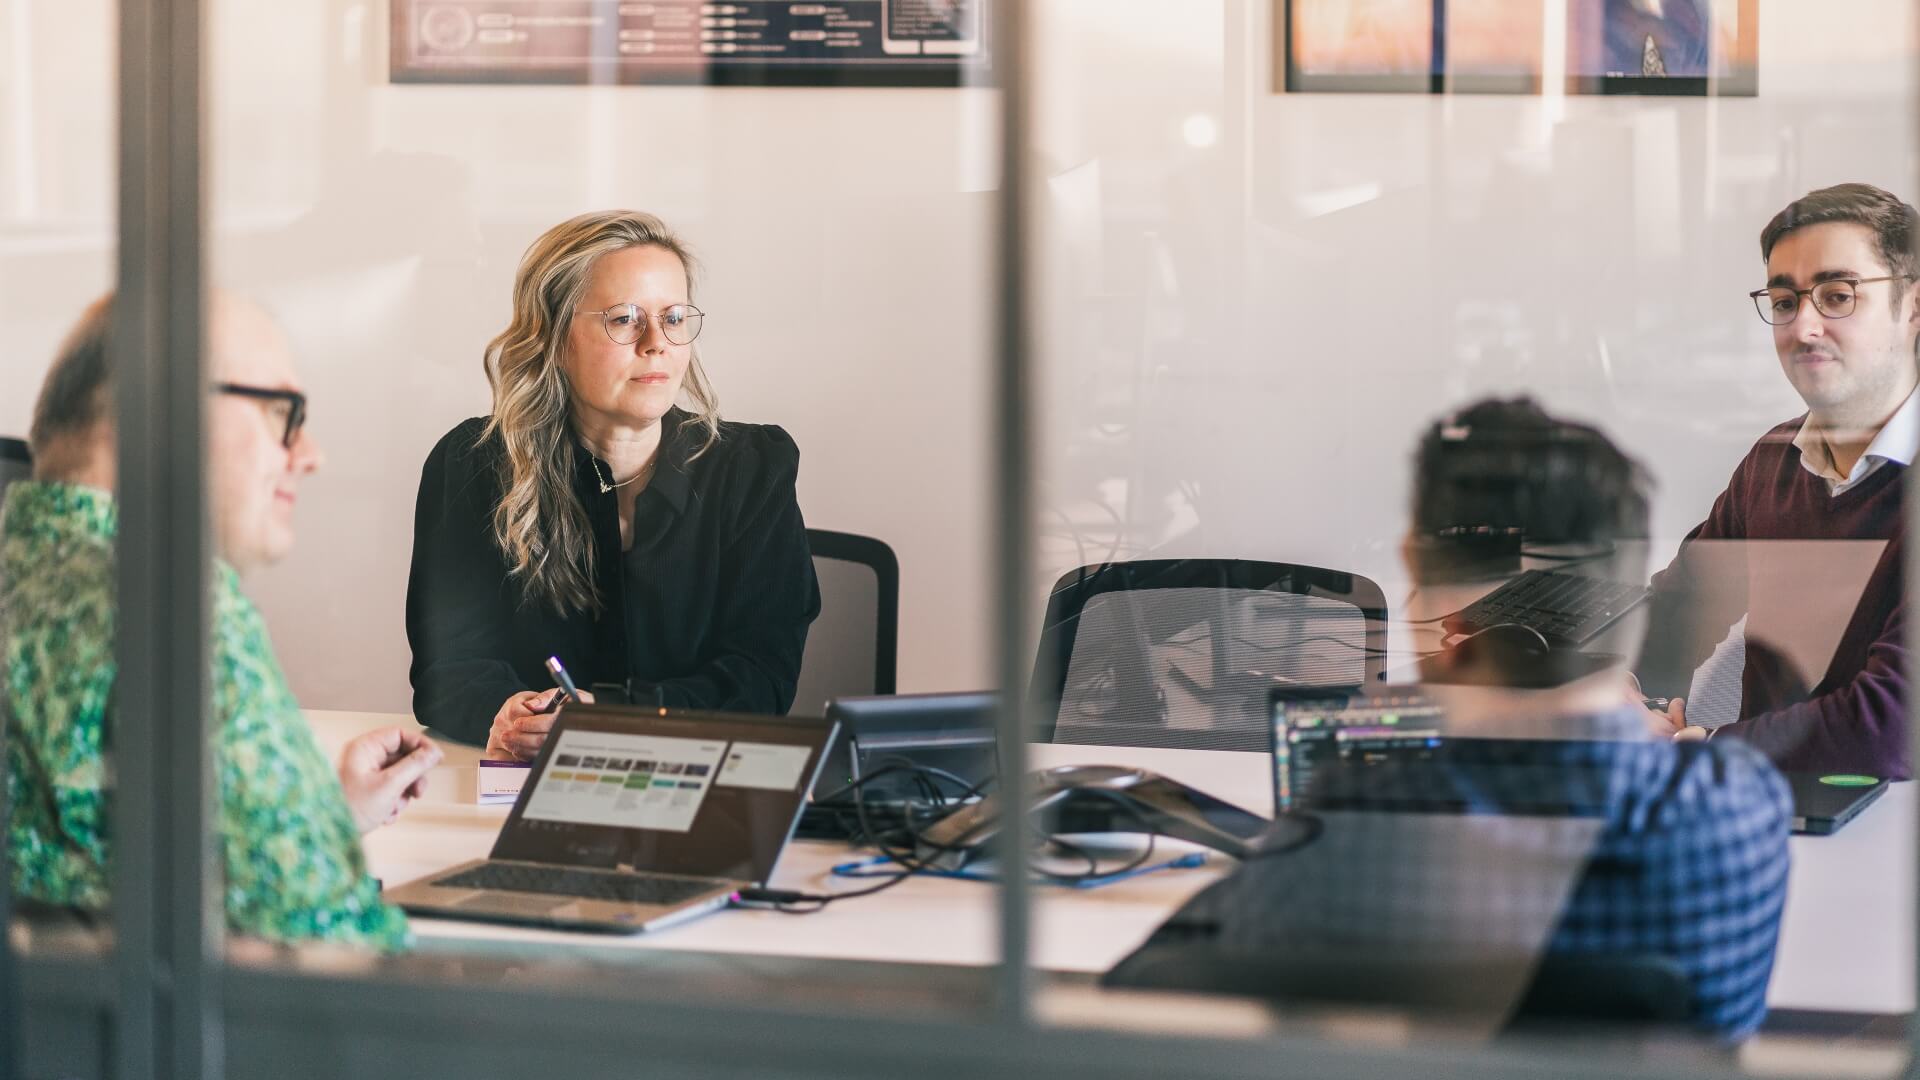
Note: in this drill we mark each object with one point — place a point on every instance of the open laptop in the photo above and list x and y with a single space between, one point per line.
635 818
1390 752
1822 804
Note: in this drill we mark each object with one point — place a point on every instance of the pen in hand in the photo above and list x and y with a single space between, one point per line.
568 691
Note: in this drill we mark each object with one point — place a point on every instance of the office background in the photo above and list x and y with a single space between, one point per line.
1251 299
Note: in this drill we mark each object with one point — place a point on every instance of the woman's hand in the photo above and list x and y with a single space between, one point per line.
382 771
521 725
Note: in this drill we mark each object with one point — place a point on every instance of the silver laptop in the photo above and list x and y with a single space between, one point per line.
637 818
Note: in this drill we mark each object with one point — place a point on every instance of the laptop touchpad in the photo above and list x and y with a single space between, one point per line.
508 904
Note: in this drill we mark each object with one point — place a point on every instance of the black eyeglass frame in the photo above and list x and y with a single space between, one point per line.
296 405
1761 297
699 320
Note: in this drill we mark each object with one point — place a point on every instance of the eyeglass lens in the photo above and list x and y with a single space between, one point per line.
626 323
1833 299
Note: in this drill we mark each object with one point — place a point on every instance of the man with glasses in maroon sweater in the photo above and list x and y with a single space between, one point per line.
1844 305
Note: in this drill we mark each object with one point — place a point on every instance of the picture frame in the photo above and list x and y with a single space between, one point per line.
1686 48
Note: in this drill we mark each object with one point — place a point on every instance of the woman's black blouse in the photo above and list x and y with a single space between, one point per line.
709 608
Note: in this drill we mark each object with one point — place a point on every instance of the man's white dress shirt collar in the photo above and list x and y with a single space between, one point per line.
1898 441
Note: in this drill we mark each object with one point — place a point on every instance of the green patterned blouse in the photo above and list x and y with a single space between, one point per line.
294 868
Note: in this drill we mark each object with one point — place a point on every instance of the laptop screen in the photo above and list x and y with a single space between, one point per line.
1393 753
666 790
1312 731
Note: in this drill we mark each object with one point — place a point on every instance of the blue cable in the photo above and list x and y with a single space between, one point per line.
860 868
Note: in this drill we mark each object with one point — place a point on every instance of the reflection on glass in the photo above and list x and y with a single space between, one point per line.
1821 690
1520 838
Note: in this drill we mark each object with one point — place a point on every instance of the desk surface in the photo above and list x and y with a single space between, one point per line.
1847 942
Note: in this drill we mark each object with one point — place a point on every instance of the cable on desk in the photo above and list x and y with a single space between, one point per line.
790 902
903 844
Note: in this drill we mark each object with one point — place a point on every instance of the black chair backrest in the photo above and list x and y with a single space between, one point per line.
1183 652
16 463
853 646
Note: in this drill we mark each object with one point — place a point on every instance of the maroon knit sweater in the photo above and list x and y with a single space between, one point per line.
1854 718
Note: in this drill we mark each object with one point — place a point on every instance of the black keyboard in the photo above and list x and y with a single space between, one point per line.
586 884
1565 608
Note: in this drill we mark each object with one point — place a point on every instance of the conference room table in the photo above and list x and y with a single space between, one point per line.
1846 944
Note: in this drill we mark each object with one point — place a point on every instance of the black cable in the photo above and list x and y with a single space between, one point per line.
1368 649
1093 864
787 901
1311 828
908 856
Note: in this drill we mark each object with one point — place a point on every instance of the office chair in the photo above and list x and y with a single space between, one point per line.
852 646
1182 652
16 463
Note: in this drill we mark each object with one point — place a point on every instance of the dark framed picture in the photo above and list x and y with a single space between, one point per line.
1682 47
690 42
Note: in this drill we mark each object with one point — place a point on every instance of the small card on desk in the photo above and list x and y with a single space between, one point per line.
500 782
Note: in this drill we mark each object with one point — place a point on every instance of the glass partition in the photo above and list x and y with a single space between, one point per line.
57 260
1292 421
610 340
1384 363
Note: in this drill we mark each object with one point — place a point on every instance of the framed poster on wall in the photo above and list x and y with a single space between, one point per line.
697 42
1686 47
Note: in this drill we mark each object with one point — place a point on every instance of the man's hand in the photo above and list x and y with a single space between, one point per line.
1668 724
521 725
382 771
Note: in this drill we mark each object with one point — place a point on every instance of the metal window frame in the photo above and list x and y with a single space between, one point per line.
167 922
175 1010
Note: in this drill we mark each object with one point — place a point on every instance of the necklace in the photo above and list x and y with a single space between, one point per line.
606 480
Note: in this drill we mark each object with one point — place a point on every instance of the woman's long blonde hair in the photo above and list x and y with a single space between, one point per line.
540 524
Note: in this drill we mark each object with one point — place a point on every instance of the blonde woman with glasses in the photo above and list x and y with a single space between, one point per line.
603 513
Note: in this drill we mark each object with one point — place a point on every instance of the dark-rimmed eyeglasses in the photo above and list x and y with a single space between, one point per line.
627 323
290 405
1833 299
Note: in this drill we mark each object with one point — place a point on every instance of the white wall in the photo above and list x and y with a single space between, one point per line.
1243 364
1243 337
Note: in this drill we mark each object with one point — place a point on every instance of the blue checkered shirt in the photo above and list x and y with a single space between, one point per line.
1632 847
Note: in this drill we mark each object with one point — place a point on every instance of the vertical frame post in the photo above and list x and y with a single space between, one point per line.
165 912
1012 398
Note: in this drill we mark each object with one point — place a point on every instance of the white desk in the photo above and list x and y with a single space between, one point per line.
1847 942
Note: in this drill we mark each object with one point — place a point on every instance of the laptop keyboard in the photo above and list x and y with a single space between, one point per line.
586 884
1565 608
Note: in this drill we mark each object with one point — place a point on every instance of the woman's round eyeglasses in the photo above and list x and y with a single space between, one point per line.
627 323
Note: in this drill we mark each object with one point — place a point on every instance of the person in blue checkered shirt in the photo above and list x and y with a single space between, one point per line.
1552 825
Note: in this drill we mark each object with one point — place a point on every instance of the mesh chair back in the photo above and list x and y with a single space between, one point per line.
1182 653
851 647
